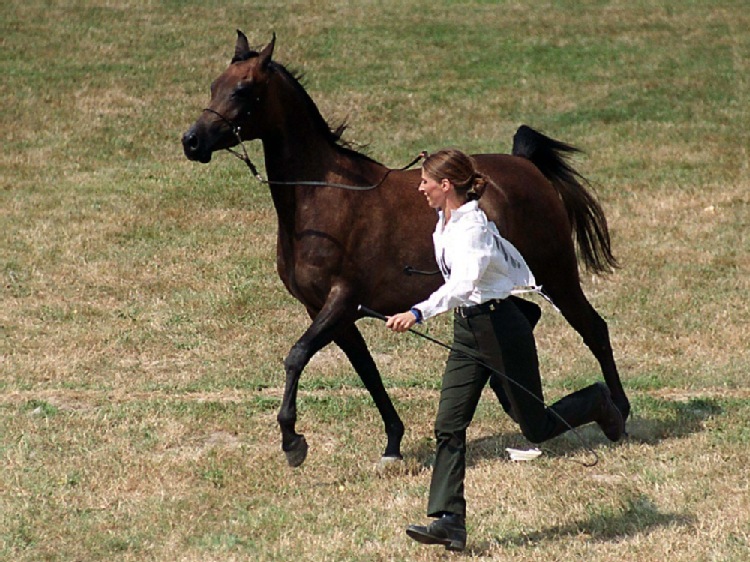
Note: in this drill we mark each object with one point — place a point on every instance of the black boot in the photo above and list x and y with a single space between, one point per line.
591 404
608 416
449 530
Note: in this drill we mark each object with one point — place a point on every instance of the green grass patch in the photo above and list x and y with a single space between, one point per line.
143 328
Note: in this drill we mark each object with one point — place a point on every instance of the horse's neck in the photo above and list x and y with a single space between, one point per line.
300 149
287 161
294 154
297 156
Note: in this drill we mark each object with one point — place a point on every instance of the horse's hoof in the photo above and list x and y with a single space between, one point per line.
385 461
386 464
297 452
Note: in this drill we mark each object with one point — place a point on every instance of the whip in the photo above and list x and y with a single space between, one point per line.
367 312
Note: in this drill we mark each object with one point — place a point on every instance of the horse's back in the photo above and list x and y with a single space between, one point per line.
521 201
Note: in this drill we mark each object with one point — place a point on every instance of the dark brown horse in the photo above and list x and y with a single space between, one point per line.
339 248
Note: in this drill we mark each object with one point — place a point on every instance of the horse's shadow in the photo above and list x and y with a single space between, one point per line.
639 515
661 419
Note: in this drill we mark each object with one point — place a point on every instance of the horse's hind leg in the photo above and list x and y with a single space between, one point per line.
353 345
584 319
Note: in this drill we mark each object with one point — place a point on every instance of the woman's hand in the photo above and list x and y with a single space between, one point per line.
402 321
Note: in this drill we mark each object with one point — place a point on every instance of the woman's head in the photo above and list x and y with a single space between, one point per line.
459 169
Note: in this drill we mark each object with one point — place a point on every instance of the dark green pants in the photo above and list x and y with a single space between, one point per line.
504 340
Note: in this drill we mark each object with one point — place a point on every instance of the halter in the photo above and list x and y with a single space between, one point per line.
246 159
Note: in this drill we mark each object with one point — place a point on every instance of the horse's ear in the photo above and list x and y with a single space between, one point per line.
242 48
267 52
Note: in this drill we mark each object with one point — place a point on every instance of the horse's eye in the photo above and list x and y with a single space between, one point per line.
243 92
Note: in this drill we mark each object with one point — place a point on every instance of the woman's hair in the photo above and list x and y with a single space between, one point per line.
458 168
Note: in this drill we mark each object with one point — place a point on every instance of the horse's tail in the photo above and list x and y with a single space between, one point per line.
584 211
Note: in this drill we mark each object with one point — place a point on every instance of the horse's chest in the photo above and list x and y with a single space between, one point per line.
308 265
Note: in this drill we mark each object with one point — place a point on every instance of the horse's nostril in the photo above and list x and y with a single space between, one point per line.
194 147
190 141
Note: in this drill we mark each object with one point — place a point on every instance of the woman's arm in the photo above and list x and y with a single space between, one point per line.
470 252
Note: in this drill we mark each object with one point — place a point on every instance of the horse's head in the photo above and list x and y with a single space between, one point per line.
237 103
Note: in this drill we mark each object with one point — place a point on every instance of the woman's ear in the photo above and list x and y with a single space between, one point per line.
446 185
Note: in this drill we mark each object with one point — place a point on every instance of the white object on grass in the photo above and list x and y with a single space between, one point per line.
523 455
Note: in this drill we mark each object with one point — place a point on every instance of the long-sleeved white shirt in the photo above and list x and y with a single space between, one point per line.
476 262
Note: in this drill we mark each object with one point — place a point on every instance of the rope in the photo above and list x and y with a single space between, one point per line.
371 313
254 170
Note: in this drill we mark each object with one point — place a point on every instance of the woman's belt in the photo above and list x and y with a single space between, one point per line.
477 309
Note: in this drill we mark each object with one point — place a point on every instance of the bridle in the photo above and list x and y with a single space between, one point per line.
235 128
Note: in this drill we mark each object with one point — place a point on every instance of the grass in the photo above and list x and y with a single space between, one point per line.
143 328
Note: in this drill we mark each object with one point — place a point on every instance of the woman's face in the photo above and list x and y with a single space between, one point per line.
434 191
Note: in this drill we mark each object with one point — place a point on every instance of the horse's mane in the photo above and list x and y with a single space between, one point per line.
334 135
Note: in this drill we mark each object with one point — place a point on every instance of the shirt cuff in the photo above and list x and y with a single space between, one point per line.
417 314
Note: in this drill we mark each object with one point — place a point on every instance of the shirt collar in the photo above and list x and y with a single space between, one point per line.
465 209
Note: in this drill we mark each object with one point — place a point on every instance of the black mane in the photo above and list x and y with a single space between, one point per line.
295 78
333 135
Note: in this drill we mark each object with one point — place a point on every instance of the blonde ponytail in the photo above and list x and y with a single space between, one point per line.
459 169
478 185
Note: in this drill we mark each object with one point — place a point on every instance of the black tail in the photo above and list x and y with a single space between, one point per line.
584 211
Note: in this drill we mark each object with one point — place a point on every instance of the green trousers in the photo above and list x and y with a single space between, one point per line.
504 340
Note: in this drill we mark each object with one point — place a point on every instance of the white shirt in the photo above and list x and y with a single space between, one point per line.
476 262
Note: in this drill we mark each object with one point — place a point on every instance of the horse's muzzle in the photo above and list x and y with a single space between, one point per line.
194 148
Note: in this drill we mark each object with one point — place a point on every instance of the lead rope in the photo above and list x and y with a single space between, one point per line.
254 170
372 314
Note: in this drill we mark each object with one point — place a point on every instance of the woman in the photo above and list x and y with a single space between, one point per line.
482 271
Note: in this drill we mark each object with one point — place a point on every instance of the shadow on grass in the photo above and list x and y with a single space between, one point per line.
638 515
654 420
671 419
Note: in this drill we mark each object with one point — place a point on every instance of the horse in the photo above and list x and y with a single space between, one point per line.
349 227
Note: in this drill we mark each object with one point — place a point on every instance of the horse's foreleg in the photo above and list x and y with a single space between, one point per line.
317 336
353 345
293 444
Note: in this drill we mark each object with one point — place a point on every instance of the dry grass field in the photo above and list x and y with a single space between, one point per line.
143 328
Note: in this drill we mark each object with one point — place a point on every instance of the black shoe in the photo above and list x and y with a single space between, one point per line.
449 530
609 417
